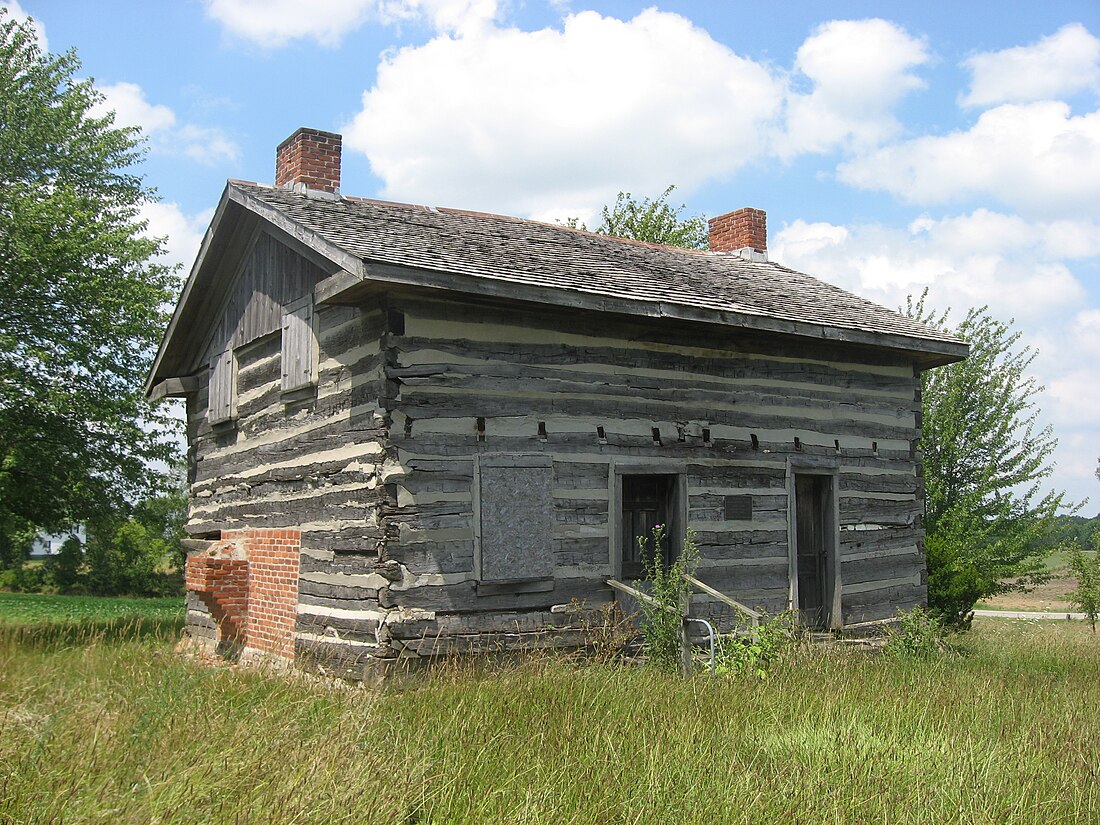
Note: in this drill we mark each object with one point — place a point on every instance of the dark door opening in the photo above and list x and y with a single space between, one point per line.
646 502
813 550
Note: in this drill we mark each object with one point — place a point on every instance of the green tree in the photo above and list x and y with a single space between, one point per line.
656 221
985 462
82 301
1086 569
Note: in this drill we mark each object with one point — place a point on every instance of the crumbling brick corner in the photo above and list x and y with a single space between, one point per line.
248 580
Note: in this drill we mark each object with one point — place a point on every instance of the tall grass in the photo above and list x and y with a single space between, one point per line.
124 730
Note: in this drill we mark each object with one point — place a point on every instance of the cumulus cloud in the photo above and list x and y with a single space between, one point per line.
127 101
550 122
159 124
1063 63
184 232
274 23
1016 266
1037 158
859 71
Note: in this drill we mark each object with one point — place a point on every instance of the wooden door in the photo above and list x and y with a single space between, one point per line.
645 504
812 550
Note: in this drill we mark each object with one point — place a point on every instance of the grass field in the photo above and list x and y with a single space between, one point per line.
37 608
115 727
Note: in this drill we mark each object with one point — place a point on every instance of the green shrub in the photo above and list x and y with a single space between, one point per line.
64 569
917 635
753 652
24 578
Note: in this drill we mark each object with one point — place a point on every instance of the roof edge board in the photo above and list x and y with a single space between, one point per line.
188 287
308 237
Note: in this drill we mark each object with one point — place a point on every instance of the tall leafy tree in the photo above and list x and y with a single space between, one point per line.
985 462
655 221
82 300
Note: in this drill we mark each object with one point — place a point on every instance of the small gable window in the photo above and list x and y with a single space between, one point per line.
299 351
222 408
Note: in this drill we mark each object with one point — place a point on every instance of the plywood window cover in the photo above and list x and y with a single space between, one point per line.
515 519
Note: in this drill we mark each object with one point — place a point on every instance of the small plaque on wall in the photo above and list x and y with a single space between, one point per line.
738 508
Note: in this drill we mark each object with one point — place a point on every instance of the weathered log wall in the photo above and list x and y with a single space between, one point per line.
380 468
313 463
732 414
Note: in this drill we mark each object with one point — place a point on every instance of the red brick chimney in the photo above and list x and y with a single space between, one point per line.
309 159
737 230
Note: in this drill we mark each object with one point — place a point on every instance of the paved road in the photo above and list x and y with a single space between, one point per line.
1027 614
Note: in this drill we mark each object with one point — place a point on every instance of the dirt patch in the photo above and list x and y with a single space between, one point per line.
1050 596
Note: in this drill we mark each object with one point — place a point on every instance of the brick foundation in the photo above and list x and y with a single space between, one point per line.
249 582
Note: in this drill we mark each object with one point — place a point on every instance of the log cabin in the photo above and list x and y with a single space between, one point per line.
415 431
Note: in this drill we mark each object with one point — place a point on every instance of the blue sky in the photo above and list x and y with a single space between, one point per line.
953 146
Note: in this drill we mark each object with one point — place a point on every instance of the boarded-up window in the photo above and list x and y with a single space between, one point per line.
299 345
517 522
223 388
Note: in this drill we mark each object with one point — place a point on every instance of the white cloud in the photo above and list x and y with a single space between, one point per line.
1063 63
184 232
15 12
157 122
274 23
127 101
463 17
860 70
1014 266
209 146
553 122
1038 158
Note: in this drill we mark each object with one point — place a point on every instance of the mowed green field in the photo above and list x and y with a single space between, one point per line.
118 728
38 608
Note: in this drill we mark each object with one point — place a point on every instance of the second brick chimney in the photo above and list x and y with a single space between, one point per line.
309 160
743 229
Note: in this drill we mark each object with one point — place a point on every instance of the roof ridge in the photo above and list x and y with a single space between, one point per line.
475 213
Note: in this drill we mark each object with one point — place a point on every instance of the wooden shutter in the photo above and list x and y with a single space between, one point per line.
223 388
299 345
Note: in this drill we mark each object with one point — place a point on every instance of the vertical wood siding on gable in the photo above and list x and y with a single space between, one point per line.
271 276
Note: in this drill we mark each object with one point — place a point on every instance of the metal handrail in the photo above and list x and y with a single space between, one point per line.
710 630
753 615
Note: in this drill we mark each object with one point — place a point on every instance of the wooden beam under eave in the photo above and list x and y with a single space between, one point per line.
174 387
335 288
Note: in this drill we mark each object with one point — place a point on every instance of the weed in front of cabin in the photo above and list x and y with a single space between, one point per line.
662 619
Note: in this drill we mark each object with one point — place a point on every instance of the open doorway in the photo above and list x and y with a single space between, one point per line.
816 586
646 501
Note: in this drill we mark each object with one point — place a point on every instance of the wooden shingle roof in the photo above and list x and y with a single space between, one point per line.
376 242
